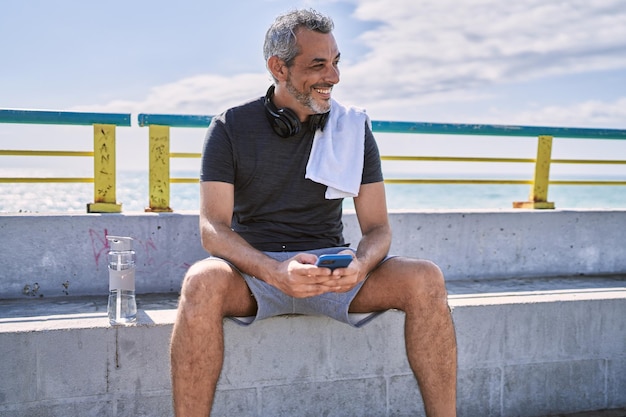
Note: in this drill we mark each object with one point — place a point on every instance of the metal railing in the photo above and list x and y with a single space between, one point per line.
103 153
159 155
159 127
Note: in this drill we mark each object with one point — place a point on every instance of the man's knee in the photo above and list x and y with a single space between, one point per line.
434 279
424 280
206 281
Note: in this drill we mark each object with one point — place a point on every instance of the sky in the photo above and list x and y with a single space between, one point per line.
528 62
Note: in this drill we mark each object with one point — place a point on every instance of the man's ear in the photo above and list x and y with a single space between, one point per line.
277 67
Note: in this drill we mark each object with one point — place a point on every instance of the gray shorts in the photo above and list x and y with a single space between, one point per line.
273 302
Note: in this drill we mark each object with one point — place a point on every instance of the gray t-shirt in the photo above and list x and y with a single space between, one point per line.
275 208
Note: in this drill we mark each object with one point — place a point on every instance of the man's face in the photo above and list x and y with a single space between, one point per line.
314 72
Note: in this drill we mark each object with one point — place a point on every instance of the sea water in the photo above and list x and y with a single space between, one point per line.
132 193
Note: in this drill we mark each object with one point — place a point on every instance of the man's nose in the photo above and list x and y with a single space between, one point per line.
332 74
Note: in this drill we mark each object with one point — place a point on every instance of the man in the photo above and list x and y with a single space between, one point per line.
265 223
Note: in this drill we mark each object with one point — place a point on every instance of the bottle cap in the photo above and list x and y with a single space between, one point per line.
119 243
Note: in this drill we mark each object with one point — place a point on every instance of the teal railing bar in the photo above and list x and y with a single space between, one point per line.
63 117
180 120
496 130
174 120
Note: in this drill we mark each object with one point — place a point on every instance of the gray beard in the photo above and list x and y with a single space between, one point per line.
307 100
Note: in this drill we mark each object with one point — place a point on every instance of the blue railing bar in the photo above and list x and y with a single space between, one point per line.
63 117
496 130
178 120
174 120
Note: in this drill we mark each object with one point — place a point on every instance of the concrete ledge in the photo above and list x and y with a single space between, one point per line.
526 348
56 255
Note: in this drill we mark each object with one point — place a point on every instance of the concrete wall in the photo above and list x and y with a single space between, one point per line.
522 351
525 355
66 254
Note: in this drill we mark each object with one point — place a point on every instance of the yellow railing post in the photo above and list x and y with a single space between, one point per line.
104 170
538 198
159 169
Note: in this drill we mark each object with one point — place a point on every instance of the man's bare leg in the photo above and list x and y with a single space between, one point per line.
211 290
417 288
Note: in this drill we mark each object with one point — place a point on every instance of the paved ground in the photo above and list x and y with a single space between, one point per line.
518 285
29 306
602 413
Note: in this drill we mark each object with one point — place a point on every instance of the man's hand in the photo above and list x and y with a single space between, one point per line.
300 278
344 279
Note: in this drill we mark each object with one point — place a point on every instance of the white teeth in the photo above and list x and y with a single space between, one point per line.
323 91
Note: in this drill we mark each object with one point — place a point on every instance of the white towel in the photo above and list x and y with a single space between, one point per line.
336 158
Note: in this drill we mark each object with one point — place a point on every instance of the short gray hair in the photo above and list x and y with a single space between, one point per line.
280 39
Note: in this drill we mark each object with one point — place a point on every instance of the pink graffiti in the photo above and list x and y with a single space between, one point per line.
149 258
152 260
99 244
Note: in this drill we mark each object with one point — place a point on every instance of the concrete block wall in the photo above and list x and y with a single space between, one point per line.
525 354
507 367
541 354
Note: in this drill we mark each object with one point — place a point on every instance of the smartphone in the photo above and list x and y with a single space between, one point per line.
334 261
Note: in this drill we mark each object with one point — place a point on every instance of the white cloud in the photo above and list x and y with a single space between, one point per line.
430 47
591 113
201 94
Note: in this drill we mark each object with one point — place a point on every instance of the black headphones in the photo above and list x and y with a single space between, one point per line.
286 122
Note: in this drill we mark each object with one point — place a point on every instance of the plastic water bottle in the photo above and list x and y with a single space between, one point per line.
122 308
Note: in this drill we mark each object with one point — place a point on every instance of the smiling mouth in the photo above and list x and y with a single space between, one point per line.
323 90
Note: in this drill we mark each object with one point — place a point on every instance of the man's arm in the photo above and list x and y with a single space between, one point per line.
296 276
371 211
216 211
